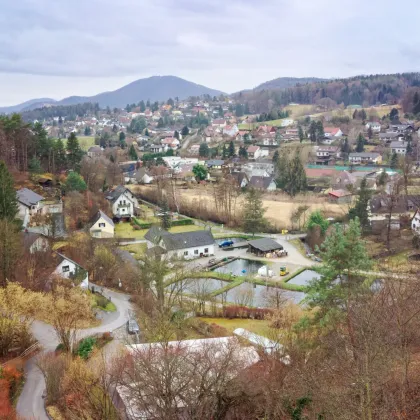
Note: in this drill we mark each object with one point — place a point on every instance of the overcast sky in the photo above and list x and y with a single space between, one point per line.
58 48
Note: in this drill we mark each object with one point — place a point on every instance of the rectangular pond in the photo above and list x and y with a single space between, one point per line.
248 294
240 267
195 286
304 278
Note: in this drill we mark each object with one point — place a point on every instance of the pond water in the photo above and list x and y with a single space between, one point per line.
199 286
260 296
304 278
233 239
240 267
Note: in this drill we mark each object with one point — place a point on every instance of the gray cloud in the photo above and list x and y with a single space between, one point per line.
227 45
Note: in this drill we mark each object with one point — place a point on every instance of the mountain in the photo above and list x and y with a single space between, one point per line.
26 106
286 82
156 88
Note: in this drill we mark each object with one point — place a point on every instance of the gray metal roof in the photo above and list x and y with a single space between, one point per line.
398 144
365 154
265 244
115 193
28 197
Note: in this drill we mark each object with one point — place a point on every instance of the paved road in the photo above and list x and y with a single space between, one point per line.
31 404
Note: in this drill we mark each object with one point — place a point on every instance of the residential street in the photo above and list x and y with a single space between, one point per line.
31 404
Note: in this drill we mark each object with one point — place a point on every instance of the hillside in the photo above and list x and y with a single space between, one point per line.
156 88
286 82
359 90
25 106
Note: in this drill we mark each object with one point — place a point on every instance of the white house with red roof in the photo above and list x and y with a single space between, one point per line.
254 152
332 132
231 130
170 142
220 123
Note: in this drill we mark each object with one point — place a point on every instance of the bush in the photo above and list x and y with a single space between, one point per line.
101 301
60 347
85 347
141 225
235 311
182 222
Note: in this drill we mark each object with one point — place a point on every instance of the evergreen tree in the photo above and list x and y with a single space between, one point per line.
345 148
320 132
60 157
165 218
296 180
370 133
185 131
360 210
200 172
121 137
409 147
301 134
75 182
225 152
394 115
88 131
148 104
114 128
276 157
204 150
34 166
394 161
383 177
8 200
363 115
176 135
360 146
161 123
146 133
74 152
231 149
313 131
132 153
142 106
253 212
246 109
243 153
247 138
282 170
416 104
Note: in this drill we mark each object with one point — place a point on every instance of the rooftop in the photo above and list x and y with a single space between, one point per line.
265 244
28 197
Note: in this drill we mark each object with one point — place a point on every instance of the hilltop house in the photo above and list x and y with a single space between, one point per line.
101 226
170 142
94 151
158 148
28 203
181 245
374 126
69 269
399 147
332 132
123 202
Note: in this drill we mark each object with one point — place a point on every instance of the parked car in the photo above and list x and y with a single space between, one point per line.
225 244
133 327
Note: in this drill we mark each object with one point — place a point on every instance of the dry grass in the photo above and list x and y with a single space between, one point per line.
253 325
380 111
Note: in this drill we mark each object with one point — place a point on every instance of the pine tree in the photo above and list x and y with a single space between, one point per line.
176 135
360 147
282 170
360 210
313 132
301 134
394 161
231 149
253 212
225 152
276 157
34 166
243 153
8 200
74 152
60 157
296 180
204 150
320 132
185 131
132 153
370 132
383 177
165 220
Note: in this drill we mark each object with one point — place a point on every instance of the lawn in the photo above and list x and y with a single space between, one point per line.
253 325
84 141
137 250
125 230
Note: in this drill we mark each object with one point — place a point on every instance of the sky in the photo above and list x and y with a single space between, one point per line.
59 48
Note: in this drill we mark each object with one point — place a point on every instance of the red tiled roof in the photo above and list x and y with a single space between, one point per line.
253 149
318 173
339 193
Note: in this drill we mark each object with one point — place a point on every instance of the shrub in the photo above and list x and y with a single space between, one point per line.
6 409
60 347
182 222
85 347
101 301
235 311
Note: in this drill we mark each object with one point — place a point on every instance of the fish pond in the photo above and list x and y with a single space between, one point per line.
240 267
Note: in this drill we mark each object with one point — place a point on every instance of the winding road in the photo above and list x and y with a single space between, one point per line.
31 403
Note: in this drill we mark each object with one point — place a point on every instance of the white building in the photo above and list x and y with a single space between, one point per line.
415 222
69 269
186 245
28 203
399 147
123 202
101 226
374 126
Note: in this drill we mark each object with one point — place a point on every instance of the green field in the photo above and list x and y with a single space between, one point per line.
252 126
125 230
84 141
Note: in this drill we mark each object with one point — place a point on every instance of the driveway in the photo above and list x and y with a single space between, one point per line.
30 403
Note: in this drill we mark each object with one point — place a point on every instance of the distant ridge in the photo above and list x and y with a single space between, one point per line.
286 82
155 88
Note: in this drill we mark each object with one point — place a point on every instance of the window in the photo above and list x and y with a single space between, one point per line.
101 225
123 210
206 250
196 251
185 253
66 268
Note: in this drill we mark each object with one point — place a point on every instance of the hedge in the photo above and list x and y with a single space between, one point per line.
142 225
182 222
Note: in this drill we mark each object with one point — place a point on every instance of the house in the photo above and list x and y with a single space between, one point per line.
345 180
241 178
262 183
69 269
28 203
170 142
181 245
401 128
215 164
270 141
374 126
415 221
292 132
194 149
399 147
94 151
380 204
158 148
123 202
231 130
35 242
254 152
101 226
219 123
332 132
142 176
340 196
327 152
389 136
365 157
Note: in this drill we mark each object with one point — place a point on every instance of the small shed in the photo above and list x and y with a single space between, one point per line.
264 246
340 196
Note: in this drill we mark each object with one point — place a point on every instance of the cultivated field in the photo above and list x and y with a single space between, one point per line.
84 141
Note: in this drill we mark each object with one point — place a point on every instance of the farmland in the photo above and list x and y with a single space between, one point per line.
84 141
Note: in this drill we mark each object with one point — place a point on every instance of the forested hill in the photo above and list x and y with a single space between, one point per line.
286 82
360 90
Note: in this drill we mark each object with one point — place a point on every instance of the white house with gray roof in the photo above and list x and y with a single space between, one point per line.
186 245
101 226
123 202
29 204
399 147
